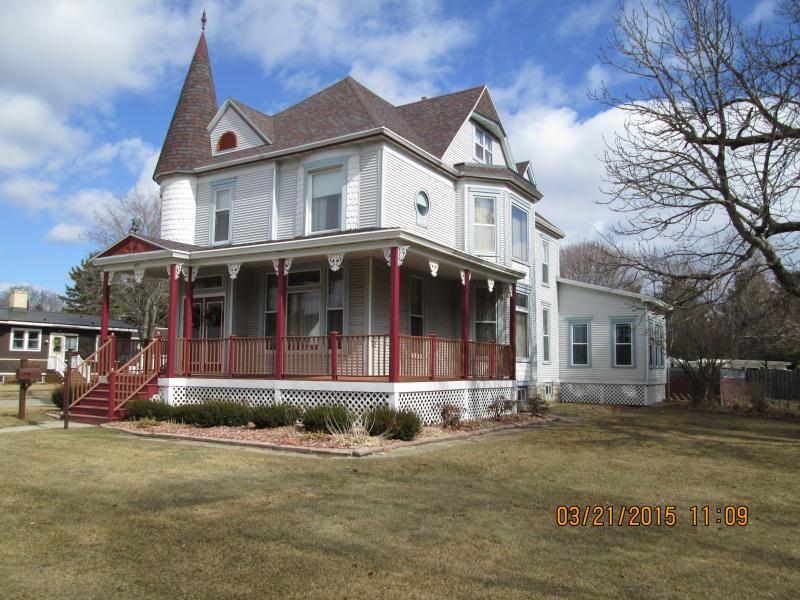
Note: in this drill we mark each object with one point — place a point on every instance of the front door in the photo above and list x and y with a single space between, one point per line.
208 317
57 355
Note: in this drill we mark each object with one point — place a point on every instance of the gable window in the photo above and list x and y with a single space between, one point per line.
545 334
416 316
521 325
221 217
623 343
657 344
423 206
485 224
26 340
483 146
545 262
519 234
336 301
326 200
579 344
227 141
485 316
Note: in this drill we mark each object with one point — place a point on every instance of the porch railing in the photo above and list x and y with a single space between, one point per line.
131 377
89 372
336 356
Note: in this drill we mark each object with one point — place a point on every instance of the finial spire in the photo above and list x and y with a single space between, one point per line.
203 19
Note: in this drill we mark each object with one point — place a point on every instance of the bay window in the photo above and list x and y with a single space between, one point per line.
519 234
485 224
325 205
521 325
545 262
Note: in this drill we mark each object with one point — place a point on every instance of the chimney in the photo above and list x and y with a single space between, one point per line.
18 299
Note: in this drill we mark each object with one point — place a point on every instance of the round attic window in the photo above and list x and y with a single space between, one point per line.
227 141
423 204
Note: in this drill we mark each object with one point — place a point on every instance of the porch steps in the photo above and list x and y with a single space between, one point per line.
93 409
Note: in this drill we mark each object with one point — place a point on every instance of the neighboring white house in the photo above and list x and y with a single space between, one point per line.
407 233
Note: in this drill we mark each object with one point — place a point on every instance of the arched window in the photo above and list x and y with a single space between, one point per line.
227 141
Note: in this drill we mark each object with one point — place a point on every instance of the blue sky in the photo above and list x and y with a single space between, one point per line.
87 90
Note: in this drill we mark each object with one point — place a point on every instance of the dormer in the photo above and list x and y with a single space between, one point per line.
234 128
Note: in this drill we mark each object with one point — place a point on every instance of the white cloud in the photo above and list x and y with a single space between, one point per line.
764 10
66 233
585 18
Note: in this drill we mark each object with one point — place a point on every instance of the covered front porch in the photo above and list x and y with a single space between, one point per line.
376 306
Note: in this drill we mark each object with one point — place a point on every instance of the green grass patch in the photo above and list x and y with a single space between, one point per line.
90 513
34 414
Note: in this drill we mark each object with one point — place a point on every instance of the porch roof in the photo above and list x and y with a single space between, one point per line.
347 242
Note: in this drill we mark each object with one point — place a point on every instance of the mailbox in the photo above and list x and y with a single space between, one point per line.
29 374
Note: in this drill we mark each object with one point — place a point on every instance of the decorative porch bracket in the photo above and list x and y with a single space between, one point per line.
335 261
233 270
490 285
287 264
401 255
138 275
434 266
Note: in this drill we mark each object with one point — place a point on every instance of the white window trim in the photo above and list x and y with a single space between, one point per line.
322 166
422 220
215 189
547 332
631 323
527 311
571 323
475 193
545 248
661 358
484 135
527 258
25 341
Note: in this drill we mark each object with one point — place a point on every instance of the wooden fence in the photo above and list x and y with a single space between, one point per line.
778 384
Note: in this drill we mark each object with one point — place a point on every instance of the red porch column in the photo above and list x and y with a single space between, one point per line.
394 316
280 325
188 300
105 308
465 322
512 330
172 320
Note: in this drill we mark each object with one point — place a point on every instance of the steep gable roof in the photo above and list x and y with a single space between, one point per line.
522 167
186 144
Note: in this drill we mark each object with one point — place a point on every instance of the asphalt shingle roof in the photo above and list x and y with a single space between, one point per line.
58 318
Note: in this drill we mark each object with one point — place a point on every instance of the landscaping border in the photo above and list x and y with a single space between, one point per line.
356 452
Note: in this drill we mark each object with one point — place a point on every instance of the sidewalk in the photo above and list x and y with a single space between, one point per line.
44 425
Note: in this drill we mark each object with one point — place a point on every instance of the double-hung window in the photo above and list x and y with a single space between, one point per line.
545 334
545 262
221 217
657 344
325 200
416 315
336 301
579 344
485 221
26 340
519 234
521 325
485 316
623 343
483 146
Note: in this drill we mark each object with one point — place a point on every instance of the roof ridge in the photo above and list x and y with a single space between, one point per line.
307 98
464 91
350 81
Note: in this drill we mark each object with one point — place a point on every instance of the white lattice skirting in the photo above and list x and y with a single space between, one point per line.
426 400
611 393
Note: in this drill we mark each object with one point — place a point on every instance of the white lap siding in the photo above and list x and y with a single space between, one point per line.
246 137
287 198
369 189
546 296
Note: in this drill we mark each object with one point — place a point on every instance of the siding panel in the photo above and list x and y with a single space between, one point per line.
245 136
368 190
287 199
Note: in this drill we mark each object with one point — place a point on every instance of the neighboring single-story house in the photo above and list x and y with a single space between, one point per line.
44 337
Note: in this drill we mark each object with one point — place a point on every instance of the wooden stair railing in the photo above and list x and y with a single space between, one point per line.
130 378
87 373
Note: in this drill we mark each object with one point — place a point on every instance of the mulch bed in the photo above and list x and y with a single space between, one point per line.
287 438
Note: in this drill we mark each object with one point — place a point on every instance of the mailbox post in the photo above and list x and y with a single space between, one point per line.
25 377
66 396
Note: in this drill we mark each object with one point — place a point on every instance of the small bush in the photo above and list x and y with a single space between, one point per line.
57 397
214 414
395 425
537 405
146 409
275 416
500 407
331 419
451 415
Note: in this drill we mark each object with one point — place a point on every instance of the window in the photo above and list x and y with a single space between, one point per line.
336 301
417 319
579 344
657 344
326 200
221 221
26 340
211 282
485 230
483 146
545 334
548 390
72 343
545 262
623 344
423 205
271 321
519 234
521 325
485 316
227 141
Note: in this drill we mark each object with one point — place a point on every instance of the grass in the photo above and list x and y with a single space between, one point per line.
92 514
34 414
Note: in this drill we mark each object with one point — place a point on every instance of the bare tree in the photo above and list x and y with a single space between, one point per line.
599 263
706 170
144 303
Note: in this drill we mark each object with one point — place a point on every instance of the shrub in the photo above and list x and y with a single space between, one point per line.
537 405
331 419
275 416
451 415
57 397
395 425
500 407
214 414
146 409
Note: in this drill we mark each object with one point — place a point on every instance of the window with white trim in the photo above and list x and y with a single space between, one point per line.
545 261
336 301
519 234
545 334
521 325
579 344
485 315
485 224
657 344
325 200
483 145
26 340
416 306
221 217
422 204
623 344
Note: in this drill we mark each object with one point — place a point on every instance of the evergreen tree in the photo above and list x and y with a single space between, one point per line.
85 295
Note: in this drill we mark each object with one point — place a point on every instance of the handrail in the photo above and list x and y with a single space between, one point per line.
91 369
135 374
